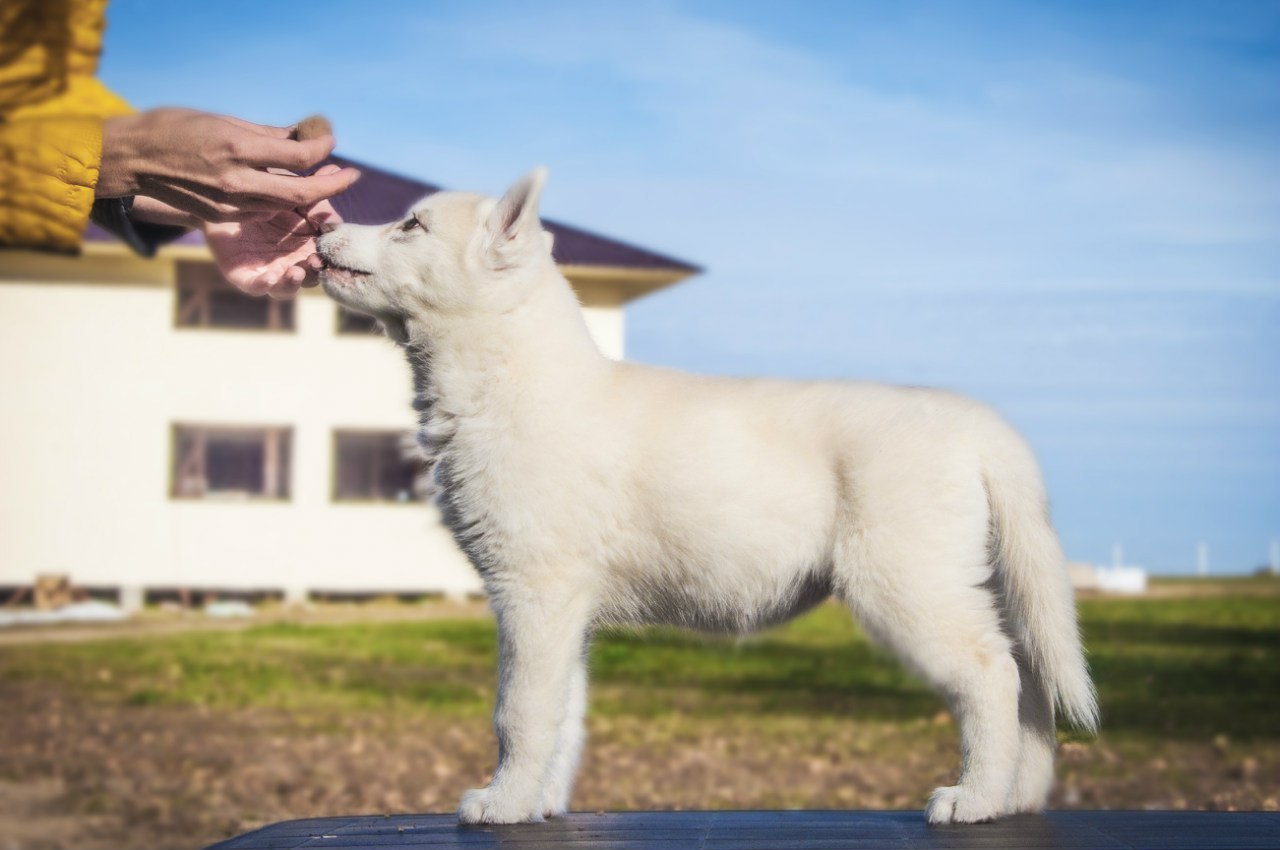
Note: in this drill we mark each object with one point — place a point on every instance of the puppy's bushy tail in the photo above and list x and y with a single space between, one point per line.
1037 590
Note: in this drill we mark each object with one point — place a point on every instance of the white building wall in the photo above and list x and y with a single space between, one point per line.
94 375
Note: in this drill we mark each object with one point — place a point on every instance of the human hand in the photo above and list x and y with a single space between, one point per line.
272 255
214 167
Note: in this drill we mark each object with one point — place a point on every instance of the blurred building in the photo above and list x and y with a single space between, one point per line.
163 432
1117 577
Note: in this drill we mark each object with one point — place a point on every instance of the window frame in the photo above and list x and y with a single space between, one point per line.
416 496
281 316
278 462
339 312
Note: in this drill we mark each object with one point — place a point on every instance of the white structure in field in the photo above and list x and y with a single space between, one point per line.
1121 577
1116 578
162 432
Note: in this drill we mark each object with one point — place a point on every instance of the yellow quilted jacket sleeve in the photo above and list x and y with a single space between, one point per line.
51 114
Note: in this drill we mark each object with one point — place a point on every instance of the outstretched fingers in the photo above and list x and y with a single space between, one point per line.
289 191
287 286
279 284
260 129
294 155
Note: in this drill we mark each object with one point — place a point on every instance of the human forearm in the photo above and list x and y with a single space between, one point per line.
152 211
119 174
217 168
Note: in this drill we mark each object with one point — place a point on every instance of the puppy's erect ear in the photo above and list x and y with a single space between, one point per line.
512 227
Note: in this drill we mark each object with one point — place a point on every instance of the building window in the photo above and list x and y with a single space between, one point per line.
351 322
217 462
374 466
206 300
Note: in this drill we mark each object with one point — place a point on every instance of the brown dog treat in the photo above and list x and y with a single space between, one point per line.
311 127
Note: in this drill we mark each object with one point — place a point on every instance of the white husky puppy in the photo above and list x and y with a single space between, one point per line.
591 492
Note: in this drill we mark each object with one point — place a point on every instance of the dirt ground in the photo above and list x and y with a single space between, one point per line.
78 775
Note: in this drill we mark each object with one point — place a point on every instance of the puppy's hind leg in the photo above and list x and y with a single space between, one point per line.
918 603
1039 742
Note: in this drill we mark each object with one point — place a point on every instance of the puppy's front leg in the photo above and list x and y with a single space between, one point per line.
558 783
540 640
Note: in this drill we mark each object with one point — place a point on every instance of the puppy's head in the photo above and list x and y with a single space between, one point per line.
453 254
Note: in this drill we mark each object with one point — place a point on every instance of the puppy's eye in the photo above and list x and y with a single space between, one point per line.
410 224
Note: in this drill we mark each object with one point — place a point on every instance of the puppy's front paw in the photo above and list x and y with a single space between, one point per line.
555 800
958 804
484 805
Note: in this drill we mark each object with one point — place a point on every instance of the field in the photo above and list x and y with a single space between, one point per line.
179 739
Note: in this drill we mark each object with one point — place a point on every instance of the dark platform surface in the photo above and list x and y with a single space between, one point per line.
779 831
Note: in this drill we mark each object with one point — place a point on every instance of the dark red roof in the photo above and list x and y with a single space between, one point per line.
380 196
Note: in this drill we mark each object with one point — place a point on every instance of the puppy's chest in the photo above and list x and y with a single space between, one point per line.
474 462
436 427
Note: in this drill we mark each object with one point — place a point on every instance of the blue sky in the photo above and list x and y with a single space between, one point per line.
1068 210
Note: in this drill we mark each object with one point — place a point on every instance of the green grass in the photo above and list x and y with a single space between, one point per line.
1188 668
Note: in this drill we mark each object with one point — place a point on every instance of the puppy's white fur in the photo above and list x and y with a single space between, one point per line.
587 491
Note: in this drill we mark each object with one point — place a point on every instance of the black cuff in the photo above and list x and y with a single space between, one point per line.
112 214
